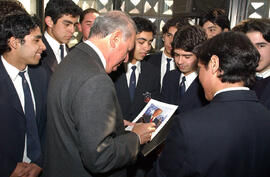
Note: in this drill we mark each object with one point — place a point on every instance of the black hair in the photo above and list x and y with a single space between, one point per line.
17 26
9 7
187 38
251 25
87 11
144 24
57 8
216 16
238 58
175 21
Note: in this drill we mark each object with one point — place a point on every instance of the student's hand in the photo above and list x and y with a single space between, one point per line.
33 170
144 131
20 170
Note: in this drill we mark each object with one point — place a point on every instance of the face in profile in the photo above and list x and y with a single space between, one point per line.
264 49
211 29
142 45
185 61
62 31
205 80
168 39
120 53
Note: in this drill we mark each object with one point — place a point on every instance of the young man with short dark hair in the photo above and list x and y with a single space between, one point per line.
23 90
164 60
258 31
229 136
181 86
61 17
214 22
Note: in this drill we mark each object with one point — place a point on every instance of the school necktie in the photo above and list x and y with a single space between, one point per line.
62 51
182 88
132 83
33 143
168 65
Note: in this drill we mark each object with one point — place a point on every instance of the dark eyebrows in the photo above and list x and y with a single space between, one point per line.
260 43
212 27
187 54
69 22
38 36
141 38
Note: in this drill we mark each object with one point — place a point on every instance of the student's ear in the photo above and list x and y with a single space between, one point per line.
13 43
116 38
214 64
49 22
79 26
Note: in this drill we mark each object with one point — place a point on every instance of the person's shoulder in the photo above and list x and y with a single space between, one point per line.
153 57
145 64
173 74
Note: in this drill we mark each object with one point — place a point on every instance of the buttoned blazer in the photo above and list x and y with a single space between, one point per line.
13 121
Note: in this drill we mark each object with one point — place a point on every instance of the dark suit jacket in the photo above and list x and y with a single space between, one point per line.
12 121
48 59
193 97
154 59
148 81
85 133
228 137
262 89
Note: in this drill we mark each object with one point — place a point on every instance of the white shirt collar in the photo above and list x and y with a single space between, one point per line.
99 53
189 78
129 65
164 57
230 89
264 75
55 45
163 67
12 71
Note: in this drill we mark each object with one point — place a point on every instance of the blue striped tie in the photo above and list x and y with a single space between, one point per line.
132 83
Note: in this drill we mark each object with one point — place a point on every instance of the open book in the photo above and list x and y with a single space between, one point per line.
159 113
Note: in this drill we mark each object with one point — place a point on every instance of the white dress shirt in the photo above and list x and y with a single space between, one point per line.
163 67
13 73
55 47
129 71
99 53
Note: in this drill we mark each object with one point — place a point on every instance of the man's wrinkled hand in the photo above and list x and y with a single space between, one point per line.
144 131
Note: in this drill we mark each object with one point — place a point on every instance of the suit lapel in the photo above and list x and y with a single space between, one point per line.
11 91
122 84
49 56
142 82
34 79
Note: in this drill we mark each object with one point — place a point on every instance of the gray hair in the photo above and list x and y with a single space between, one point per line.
111 21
